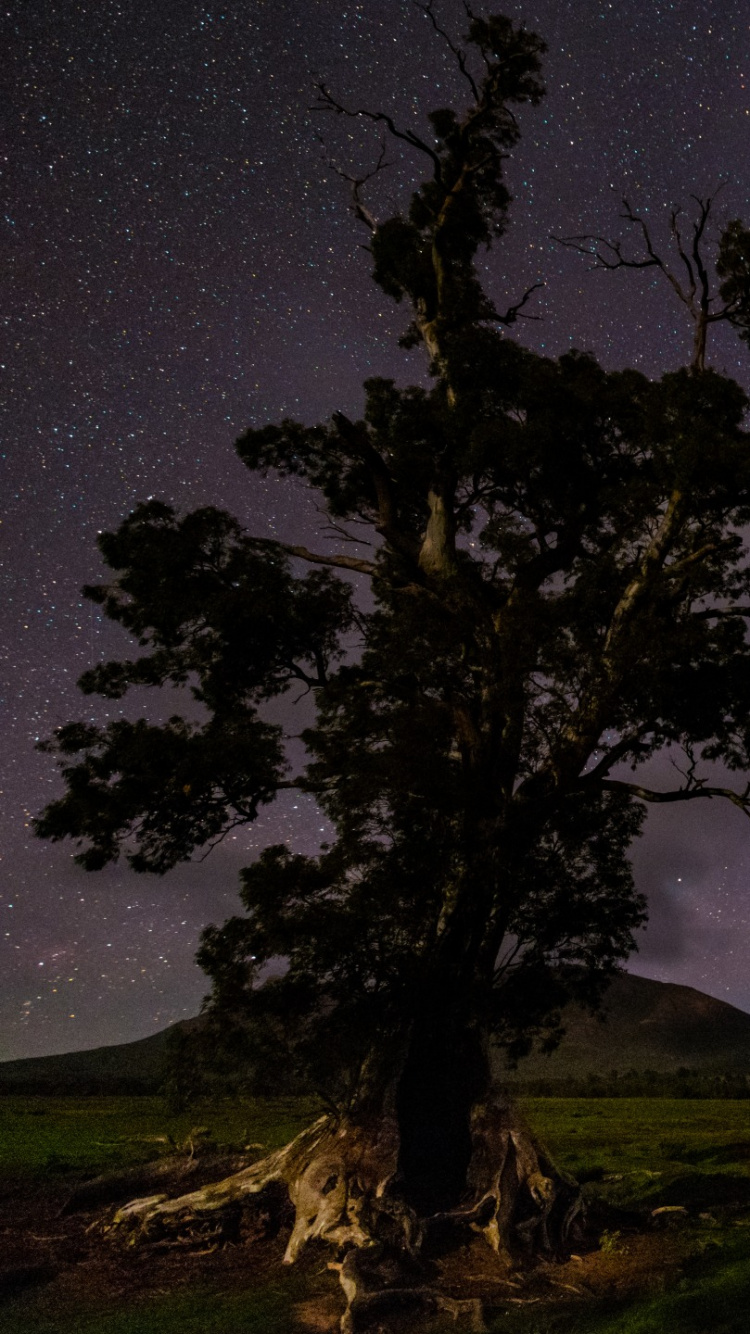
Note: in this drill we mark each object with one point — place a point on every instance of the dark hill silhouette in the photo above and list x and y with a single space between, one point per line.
645 1026
131 1067
648 1026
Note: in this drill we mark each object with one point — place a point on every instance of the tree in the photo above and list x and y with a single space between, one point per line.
557 585
693 289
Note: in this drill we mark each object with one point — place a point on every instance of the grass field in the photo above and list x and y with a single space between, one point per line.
92 1135
641 1154
661 1148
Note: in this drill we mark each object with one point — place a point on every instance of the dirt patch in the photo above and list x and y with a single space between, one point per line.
320 1315
75 1269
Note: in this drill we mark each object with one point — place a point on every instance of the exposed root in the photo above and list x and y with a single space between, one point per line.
167 1176
369 1294
150 1218
343 1181
514 1194
337 1176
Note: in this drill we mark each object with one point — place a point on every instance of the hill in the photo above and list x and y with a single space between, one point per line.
129 1068
646 1028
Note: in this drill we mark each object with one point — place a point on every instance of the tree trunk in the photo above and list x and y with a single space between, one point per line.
442 1159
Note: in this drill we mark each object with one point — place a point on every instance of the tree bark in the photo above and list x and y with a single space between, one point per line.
373 1186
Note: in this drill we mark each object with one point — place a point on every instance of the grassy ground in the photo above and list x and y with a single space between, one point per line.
638 1154
651 1151
92 1135
646 1154
263 1308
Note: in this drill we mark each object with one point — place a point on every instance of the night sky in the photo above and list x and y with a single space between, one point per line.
180 265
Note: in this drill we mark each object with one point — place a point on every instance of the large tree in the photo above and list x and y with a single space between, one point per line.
558 589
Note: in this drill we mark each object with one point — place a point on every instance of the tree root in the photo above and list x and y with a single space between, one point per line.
156 1216
343 1181
165 1176
368 1298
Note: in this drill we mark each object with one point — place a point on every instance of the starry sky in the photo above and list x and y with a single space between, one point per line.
179 265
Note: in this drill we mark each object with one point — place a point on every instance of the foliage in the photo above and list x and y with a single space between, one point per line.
733 267
689 1084
557 592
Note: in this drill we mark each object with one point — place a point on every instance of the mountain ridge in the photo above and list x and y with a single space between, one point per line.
645 1026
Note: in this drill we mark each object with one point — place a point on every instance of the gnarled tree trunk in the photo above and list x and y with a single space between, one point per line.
442 1156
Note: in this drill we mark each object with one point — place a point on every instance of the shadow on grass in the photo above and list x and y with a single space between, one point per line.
711 1298
705 1190
265 1309
712 1153
267 1306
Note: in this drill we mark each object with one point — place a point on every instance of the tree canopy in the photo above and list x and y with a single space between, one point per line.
559 589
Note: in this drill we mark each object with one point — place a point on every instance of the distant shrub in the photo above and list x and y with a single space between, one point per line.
682 1083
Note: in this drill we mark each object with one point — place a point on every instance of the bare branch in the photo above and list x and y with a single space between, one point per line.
506 962
356 183
342 534
674 228
698 229
427 8
610 255
513 313
627 745
328 103
677 566
339 562
234 824
708 613
694 292
298 673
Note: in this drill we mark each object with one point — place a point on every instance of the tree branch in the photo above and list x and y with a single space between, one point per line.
460 55
339 562
678 566
709 612
583 243
616 753
674 228
358 443
246 816
581 735
513 313
358 208
695 294
327 102
652 562
740 799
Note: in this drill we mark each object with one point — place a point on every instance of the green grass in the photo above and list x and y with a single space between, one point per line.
98 1134
641 1153
661 1150
713 1301
647 1142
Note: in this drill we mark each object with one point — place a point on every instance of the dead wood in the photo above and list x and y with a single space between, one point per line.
168 1175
